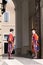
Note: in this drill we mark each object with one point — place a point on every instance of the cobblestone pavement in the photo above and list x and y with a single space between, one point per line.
18 61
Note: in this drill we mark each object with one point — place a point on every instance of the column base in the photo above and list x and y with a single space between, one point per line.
18 51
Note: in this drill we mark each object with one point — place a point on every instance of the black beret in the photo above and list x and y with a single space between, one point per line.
11 30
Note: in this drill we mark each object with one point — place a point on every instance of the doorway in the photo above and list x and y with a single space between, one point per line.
5 48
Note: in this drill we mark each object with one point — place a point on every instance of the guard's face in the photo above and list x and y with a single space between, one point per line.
33 31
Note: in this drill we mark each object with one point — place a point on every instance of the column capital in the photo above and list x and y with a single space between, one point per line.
41 3
18 4
17 1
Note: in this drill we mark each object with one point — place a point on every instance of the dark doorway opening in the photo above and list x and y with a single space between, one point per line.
5 48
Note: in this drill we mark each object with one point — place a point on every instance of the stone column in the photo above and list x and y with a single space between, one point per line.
25 26
31 8
18 12
41 5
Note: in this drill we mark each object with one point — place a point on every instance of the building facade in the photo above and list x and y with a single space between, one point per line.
0 30
7 22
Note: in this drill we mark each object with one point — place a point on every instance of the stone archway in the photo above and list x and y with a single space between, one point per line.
26 13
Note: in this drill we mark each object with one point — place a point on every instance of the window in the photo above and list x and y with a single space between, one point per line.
5 37
6 16
8 1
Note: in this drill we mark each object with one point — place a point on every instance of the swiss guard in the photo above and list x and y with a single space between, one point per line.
35 44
